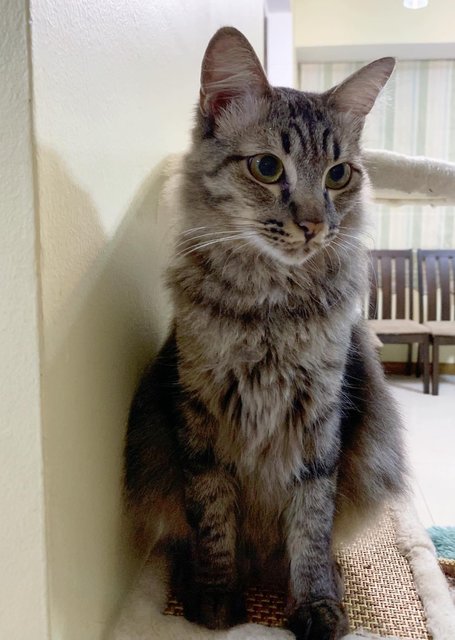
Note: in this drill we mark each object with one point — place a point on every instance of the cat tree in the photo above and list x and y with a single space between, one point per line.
394 587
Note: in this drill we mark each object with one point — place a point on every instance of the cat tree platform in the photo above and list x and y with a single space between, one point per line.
380 596
394 589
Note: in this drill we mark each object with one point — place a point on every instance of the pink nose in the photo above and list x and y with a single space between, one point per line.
310 229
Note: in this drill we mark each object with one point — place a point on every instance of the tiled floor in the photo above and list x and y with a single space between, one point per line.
430 433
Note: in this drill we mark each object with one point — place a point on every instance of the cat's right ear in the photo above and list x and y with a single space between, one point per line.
230 71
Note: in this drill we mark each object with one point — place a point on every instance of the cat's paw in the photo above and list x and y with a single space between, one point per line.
214 608
319 620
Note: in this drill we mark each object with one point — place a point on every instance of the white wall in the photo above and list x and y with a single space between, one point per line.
23 612
280 43
114 88
357 22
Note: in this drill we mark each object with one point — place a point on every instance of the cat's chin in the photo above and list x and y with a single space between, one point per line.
289 258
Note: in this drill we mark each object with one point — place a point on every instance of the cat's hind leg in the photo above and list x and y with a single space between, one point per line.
372 468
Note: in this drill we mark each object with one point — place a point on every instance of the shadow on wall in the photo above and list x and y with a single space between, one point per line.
105 314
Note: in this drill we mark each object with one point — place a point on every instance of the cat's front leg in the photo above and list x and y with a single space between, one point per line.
317 612
212 596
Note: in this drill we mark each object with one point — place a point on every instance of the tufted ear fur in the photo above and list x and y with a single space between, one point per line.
357 94
230 70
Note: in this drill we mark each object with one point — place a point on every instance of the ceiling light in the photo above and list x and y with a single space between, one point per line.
415 4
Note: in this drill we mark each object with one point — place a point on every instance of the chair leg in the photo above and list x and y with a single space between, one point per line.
419 361
409 362
435 373
426 365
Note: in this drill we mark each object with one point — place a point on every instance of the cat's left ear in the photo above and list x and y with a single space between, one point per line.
230 71
357 94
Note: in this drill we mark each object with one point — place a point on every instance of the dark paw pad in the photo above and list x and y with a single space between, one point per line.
319 620
214 608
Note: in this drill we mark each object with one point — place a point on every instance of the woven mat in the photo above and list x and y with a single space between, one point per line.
380 594
380 591
448 568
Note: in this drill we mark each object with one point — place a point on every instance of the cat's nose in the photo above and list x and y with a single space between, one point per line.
310 229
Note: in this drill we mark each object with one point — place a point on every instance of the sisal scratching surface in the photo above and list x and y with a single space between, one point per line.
380 594
263 605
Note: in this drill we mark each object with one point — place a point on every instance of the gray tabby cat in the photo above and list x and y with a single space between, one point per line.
264 430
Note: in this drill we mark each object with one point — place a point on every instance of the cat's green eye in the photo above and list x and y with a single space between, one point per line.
265 168
338 176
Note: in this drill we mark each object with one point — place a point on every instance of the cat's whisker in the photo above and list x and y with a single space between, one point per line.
372 274
340 257
346 247
231 254
203 245
187 231
358 232
354 241
304 286
330 249
245 219
332 246
188 251
356 246
225 229
372 271
352 233
362 235
205 235
327 251
343 234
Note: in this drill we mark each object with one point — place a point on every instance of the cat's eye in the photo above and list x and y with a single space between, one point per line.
338 176
265 168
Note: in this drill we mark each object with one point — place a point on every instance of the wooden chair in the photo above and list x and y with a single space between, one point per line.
390 306
436 273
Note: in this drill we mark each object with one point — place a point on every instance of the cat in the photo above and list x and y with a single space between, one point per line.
264 432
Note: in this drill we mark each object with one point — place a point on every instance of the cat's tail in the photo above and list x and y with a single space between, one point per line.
153 479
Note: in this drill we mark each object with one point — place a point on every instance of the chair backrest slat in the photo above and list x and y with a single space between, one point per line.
430 276
386 286
400 286
373 293
391 272
444 281
436 281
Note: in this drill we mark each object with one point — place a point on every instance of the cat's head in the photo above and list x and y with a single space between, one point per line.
275 170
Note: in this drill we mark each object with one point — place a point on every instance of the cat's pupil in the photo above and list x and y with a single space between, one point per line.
268 166
337 173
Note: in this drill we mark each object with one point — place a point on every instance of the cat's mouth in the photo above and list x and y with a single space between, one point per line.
294 243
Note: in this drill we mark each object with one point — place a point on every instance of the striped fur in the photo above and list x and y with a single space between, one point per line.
264 429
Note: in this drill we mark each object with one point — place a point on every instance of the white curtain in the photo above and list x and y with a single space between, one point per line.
415 115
